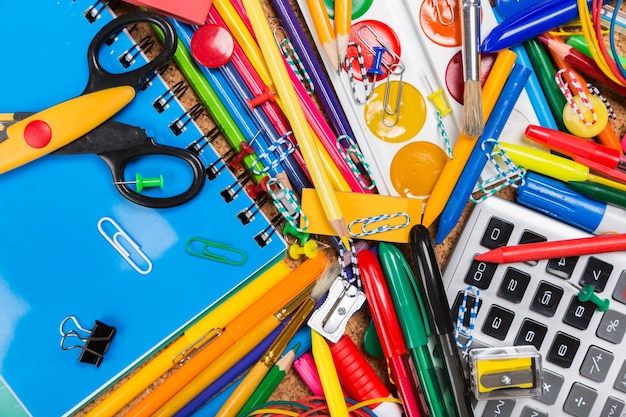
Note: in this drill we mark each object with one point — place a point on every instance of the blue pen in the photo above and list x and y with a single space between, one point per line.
555 199
531 22
478 158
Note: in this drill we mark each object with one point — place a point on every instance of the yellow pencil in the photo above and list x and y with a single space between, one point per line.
324 30
161 361
343 24
463 148
295 116
328 376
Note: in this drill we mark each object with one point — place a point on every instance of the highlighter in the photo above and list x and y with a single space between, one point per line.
555 199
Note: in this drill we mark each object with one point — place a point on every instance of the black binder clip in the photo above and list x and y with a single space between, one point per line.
96 341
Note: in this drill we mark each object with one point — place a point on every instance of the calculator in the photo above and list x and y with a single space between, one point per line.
582 348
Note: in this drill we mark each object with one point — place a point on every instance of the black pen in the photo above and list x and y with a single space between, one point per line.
429 274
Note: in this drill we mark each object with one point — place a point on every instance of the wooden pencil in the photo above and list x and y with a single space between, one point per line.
343 23
324 30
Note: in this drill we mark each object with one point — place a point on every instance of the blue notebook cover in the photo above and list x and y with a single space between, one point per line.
54 261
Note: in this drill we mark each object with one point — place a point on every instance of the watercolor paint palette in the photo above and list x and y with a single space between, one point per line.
401 88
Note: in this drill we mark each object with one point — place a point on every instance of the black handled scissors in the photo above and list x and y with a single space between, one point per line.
118 144
23 139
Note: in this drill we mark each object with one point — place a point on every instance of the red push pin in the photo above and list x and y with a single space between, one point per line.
266 95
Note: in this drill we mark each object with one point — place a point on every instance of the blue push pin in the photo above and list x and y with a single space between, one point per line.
376 67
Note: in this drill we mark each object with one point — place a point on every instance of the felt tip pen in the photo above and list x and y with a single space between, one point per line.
432 288
555 199
413 319
388 329
531 22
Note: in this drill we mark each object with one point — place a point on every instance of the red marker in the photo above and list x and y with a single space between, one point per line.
603 159
555 249
388 328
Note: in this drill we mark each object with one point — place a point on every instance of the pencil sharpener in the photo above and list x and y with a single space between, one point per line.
506 372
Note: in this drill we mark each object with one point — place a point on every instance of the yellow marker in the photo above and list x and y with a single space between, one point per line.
328 376
56 126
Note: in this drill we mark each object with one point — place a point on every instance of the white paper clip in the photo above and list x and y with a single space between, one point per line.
116 240
342 301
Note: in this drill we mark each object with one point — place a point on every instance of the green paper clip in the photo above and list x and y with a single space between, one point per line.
209 250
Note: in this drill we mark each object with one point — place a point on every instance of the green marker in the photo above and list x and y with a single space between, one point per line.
413 320
600 192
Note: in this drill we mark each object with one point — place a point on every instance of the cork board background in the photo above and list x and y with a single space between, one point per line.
292 388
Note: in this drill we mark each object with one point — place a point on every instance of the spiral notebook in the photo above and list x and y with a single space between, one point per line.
56 265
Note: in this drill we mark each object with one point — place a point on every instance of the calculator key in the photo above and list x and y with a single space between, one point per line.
514 284
552 384
596 273
498 322
464 352
497 234
547 299
531 332
528 236
612 408
580 400
532 412
612 326
596 364
497 408
562 267
620 381
480 274
619 292
563 349
579 314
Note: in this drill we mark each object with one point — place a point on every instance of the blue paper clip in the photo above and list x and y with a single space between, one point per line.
210 249
116 239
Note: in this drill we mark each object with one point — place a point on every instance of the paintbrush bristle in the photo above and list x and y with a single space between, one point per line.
472 109
325 280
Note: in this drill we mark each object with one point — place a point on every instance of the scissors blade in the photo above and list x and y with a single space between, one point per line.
109 136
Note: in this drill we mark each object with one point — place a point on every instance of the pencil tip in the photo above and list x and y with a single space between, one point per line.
472 109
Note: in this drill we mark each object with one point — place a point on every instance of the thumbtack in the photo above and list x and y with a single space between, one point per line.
289 229
246 149
141 182
309 249
438 98
587 293
379 51
266 95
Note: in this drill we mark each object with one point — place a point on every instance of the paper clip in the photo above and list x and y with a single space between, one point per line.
439 14
287 204
209 250
115 239
275 147
96 341
352 150
565 89
187 353
292 58
368 87
365 222
342 301
461 329
504 177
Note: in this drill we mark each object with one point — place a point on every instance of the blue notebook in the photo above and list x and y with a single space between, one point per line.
55 263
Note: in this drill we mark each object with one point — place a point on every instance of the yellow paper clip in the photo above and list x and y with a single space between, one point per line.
187 353
117 239
210 249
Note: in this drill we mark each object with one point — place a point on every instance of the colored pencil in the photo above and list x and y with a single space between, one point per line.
343 24
324 31
463 148
600 192
555 249
297 120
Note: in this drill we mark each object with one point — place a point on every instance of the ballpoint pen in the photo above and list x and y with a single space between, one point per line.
478 158
386 323
607 161
555 199
531 22
555 249
414 323
431 286
554 166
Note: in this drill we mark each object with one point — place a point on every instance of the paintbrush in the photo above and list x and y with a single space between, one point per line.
251 381
472 94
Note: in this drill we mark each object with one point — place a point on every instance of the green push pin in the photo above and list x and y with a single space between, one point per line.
292 231
587 293
141 182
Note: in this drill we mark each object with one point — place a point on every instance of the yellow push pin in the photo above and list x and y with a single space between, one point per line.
141 182
309 249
